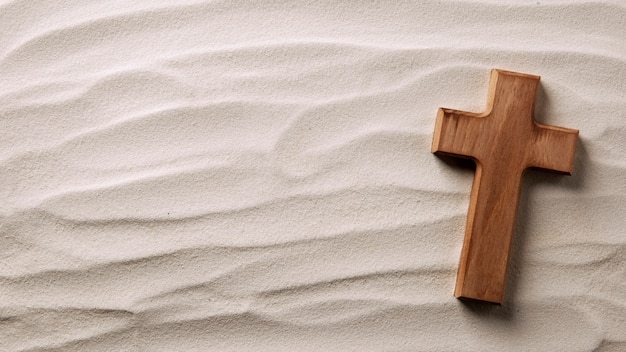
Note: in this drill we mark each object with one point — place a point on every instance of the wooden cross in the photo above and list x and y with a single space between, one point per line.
504 141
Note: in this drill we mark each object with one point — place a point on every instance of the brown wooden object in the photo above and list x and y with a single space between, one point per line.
504 141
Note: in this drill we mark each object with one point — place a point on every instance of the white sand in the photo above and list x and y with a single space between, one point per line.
247 176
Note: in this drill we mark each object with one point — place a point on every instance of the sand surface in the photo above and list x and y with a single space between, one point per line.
257 176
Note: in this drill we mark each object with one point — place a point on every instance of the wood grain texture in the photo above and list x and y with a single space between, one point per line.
504 141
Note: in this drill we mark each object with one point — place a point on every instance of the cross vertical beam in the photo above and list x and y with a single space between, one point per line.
503 141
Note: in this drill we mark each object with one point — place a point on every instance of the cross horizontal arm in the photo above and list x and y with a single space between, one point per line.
457 132
553 148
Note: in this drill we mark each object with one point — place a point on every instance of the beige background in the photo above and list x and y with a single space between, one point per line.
256 176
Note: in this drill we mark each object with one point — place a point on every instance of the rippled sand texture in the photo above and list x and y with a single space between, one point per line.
256 176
